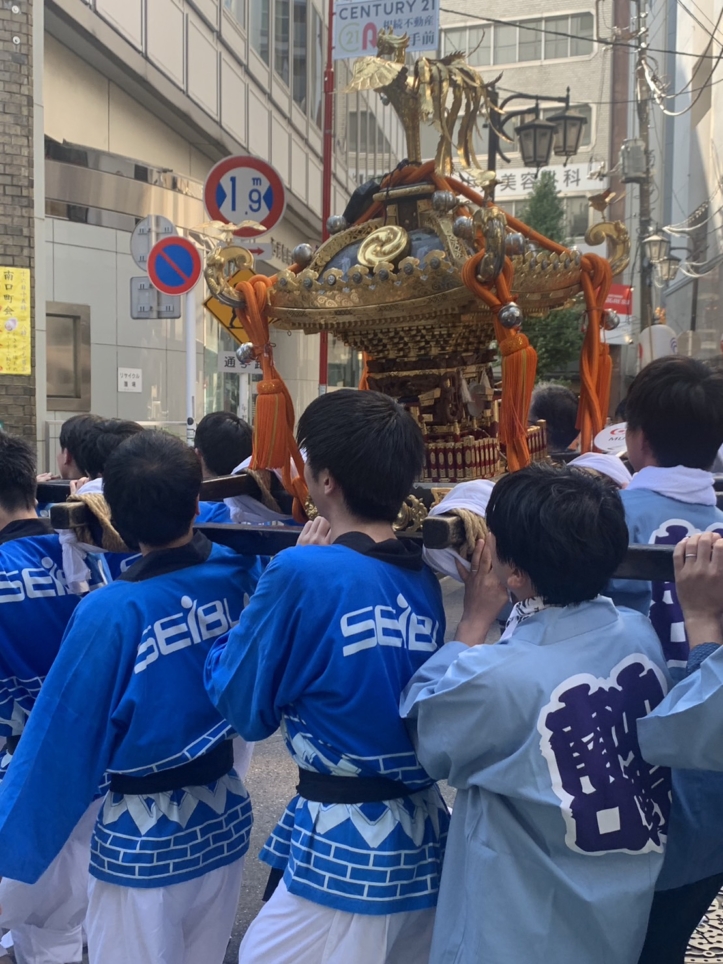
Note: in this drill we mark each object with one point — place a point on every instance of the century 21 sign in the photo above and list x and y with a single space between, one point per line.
357 24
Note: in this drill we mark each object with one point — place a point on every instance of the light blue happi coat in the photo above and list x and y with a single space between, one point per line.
559 825
686 729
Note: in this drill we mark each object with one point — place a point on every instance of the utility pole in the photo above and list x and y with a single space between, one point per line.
642 94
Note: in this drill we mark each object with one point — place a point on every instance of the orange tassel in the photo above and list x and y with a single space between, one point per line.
274 443
519 364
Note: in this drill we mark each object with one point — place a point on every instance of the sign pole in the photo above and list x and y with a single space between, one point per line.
328 175
190 333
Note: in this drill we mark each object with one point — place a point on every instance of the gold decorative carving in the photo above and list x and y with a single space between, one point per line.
411 515
618 239
221 265
386 245
493 224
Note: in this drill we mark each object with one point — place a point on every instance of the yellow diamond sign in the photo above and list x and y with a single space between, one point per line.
227 315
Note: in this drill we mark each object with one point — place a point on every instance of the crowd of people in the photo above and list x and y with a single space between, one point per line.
584 743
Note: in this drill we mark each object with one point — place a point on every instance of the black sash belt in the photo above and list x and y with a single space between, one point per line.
326 788
204 769
11 743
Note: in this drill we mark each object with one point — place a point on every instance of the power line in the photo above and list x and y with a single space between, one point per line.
525 25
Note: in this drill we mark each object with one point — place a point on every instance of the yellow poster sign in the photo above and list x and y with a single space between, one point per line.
227 315
15 342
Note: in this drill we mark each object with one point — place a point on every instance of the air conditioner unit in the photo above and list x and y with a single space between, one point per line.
633 162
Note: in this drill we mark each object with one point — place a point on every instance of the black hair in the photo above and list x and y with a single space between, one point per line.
151 483
558 406
102 438
17 473
677 402
562 527
369 444
72 432
223 440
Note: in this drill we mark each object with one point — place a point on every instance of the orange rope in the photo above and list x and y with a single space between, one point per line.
274 445
519 362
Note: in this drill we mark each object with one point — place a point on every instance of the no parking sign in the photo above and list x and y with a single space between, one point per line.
174 265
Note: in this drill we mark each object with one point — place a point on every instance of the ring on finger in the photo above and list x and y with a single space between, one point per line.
474 570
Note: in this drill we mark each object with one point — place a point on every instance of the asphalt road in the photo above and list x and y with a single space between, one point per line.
271 781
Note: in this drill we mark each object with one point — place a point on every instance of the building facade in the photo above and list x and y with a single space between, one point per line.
542 54
134 101
688 139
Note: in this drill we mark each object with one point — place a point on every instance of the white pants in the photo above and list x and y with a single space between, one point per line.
46 917
291 930
186 923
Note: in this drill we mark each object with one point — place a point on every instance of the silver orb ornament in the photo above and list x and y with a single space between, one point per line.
245 353
510 316
610 320
463 228
515 244
443 201
336 223
302 255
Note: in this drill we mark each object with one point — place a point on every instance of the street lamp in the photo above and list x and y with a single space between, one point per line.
656 247
667 268
537 137
568 134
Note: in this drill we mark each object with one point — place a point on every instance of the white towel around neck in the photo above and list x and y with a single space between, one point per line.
694 486
77 573
608 465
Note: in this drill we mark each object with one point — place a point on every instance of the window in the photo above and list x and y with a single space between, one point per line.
299 85
581 25
479 47
505 44
577 216
237 9
259 27
364 131
281 39
551 38
316 78
68 357
530 43
556 47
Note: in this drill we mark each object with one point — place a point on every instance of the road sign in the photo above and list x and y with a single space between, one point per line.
612 438
258 250
174 265
228 362
145 235
226 315
245 189
148 303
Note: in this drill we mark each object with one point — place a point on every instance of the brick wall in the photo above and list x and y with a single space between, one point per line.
17 392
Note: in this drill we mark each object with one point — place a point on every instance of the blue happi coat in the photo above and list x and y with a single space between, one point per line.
35 607
126 695
323 651
217 513
695 845
559 825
